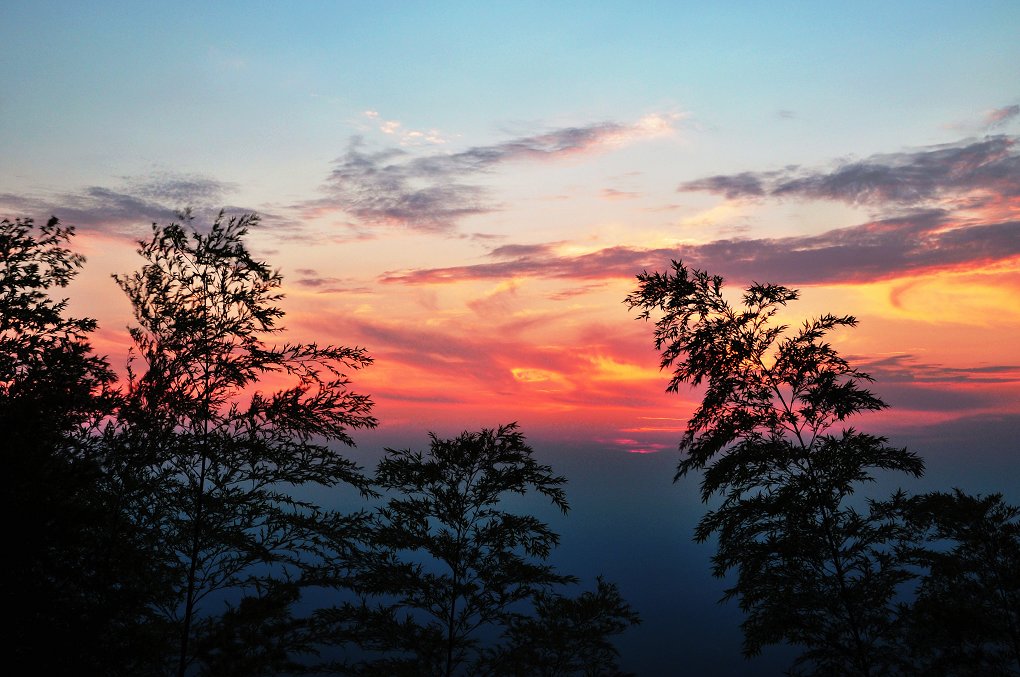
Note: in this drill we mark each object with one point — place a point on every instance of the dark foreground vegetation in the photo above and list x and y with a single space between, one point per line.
909 585
160 524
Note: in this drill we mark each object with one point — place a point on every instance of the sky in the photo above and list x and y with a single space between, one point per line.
468 190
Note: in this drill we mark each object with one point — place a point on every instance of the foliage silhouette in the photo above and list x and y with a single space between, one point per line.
451 567
965 619
564 636
133 508
78 585
812 570
258 636
150 499
222 455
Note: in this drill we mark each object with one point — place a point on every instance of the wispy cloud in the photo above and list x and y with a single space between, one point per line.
907 368
433 193
496 303
943 206
906 381
987 121
463 359
879 249
614 194
581 290
939 207
311 279
633 446
989 165
407 137
389 188
169 188
999 117
127 209
495 363
538 261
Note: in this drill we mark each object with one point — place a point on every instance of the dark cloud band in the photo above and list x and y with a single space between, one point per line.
879 249
912 178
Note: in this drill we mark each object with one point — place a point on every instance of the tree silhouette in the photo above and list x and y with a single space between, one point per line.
812 569
259 635
78 586
564 636
965 619
225 456
452 568
41 350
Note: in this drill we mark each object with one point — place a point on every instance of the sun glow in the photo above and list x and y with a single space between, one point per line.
609 369
983 296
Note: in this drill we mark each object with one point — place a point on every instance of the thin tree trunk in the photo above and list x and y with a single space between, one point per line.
451 621
196 534
189 603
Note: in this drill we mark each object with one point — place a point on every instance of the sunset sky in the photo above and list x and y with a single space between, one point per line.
468 189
